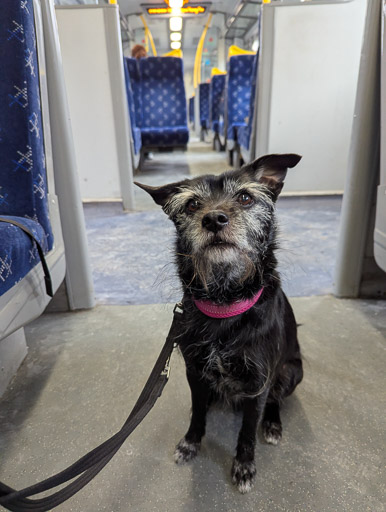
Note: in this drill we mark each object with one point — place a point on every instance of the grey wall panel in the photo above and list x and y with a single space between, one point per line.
380 223
308 71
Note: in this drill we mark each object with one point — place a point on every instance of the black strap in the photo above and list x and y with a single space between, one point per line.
47 275
93 462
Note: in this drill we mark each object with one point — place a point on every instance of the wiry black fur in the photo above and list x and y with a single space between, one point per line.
251 360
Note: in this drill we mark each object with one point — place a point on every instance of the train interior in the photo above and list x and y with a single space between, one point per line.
97 94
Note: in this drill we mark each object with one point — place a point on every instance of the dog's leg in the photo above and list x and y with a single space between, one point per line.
189 445
290 376
243 468
272 428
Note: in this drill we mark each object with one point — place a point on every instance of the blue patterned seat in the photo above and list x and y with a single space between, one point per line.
244 132
23 180
135 81
216 96
204 105
239 83
221 112
164 117
191 109
133 90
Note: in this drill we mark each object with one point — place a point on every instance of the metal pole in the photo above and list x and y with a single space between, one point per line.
363 161
78 275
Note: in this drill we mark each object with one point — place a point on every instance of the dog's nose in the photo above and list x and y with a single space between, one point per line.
215 221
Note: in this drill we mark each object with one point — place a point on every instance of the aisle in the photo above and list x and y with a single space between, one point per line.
132 253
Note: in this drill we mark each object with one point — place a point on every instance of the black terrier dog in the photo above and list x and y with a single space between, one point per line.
240 335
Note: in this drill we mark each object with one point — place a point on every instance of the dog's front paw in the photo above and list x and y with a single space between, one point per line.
185 451
272 432
243 475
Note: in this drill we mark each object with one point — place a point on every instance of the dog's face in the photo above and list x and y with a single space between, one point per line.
225 224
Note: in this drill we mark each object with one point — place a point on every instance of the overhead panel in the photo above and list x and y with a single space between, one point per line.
190 10
252 9
242 20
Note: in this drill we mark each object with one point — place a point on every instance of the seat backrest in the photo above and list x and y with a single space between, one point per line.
191 109
238 85
23 179
217 85
130 96
163 92
252 102
133 73
204 104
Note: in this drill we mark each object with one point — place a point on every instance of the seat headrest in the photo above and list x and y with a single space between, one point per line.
236 50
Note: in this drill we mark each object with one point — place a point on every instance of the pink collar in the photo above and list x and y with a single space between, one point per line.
236 308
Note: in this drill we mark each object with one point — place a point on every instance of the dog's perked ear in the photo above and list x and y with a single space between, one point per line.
160 195
271 170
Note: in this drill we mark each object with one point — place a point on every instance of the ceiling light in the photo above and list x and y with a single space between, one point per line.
175 24
176 45
176 3
175 36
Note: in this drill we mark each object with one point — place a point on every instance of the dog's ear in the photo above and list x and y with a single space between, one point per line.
271 170
160 195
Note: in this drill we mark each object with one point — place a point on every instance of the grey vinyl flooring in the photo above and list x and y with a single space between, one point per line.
85 370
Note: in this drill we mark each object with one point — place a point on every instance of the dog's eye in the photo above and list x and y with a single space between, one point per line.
192 205
245 199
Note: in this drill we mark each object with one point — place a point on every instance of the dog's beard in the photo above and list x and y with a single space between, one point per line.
223 267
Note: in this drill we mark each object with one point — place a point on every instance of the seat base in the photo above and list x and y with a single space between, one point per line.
28 298
13 350
18 253
170 137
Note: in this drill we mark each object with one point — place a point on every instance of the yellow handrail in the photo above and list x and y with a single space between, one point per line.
152 42
146 41
198 57
148 37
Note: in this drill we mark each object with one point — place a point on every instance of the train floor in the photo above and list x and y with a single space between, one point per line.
85 370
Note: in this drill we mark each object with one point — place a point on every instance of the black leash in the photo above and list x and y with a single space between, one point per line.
86 468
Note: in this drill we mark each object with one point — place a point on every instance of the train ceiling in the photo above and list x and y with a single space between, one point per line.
233 19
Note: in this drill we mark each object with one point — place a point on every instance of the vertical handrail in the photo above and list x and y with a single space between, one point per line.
148 37
198 57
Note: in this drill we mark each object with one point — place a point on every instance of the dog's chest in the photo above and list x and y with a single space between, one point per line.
232 373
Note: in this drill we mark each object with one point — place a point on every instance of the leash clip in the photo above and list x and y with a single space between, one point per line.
180 307
166 371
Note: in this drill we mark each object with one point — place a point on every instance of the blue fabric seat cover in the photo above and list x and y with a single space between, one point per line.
23 181
204 105
216 96
239 85
244 132
191 109
18 254
164 116
135 81
130 68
